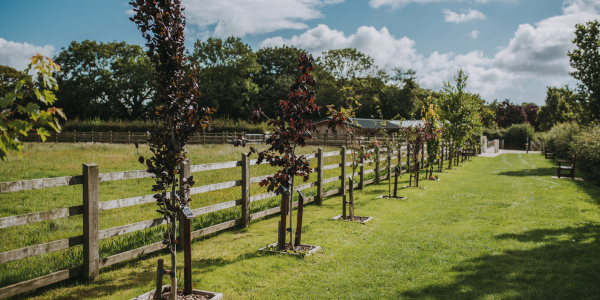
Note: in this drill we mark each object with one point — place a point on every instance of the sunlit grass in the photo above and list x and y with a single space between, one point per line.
494 228
52 160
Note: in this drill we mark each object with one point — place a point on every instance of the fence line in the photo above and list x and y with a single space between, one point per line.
91 207
205 138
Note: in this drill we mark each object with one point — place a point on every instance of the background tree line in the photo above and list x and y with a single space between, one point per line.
113 80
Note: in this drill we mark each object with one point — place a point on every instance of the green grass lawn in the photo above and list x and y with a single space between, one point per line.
494 228
51 160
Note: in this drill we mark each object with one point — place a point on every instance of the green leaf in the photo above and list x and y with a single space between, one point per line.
49 96
39 95
7 100
33 108
43 133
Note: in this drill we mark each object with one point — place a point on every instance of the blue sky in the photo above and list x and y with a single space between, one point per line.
511 49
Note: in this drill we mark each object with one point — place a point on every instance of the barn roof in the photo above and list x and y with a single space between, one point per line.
376 123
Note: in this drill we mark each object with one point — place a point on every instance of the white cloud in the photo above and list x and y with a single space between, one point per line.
17 55
394 4
242 17
389 52
541 49
453 17
536 53
130 12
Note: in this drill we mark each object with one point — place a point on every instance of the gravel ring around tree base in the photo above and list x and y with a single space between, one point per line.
358 219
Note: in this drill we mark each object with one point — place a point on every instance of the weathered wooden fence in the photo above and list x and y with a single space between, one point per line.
90 208
205 138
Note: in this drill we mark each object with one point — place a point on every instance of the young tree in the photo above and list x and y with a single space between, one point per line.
162 24
417 136
585 59
457 109
294 128
432 117
388 147
27 105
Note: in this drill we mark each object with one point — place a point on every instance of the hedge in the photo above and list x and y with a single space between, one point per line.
97 125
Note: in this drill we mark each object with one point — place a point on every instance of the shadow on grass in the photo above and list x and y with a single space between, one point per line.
565 267
530 172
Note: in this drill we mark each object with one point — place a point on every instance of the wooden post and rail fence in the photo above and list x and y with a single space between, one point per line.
202 139
90 208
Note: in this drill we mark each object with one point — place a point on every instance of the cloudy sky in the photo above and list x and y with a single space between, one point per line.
511 49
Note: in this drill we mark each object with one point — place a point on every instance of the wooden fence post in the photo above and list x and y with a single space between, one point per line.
245 190
376 165
361 183
343 169
185 171
389 167
408 169
90 221
319 198
400 160
422 155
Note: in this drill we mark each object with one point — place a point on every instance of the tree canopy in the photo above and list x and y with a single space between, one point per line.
459 110
561 105
585 59
225 76
105 80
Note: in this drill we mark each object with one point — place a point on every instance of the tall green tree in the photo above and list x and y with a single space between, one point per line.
561 106
226 71
8 78
585 59
351 68
349 63
105 80
460 111
278 68
403 96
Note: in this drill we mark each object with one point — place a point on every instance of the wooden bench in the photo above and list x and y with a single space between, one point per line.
549 154
566 165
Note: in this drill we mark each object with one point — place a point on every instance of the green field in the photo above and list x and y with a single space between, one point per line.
494 228
52 160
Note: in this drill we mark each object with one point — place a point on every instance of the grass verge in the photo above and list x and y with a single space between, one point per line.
495 228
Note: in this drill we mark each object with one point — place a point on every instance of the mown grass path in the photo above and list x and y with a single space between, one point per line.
494 228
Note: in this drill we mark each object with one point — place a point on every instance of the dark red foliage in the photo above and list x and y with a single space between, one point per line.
162 24
416 137
508 114
294 128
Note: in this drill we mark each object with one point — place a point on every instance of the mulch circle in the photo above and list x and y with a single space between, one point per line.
356 219
167 296
300 250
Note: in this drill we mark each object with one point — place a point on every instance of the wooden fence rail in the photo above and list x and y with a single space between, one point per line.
205 138
91 207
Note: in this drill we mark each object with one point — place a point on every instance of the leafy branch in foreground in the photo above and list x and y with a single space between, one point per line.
22 108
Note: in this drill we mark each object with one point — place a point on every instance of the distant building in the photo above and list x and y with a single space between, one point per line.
362 127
